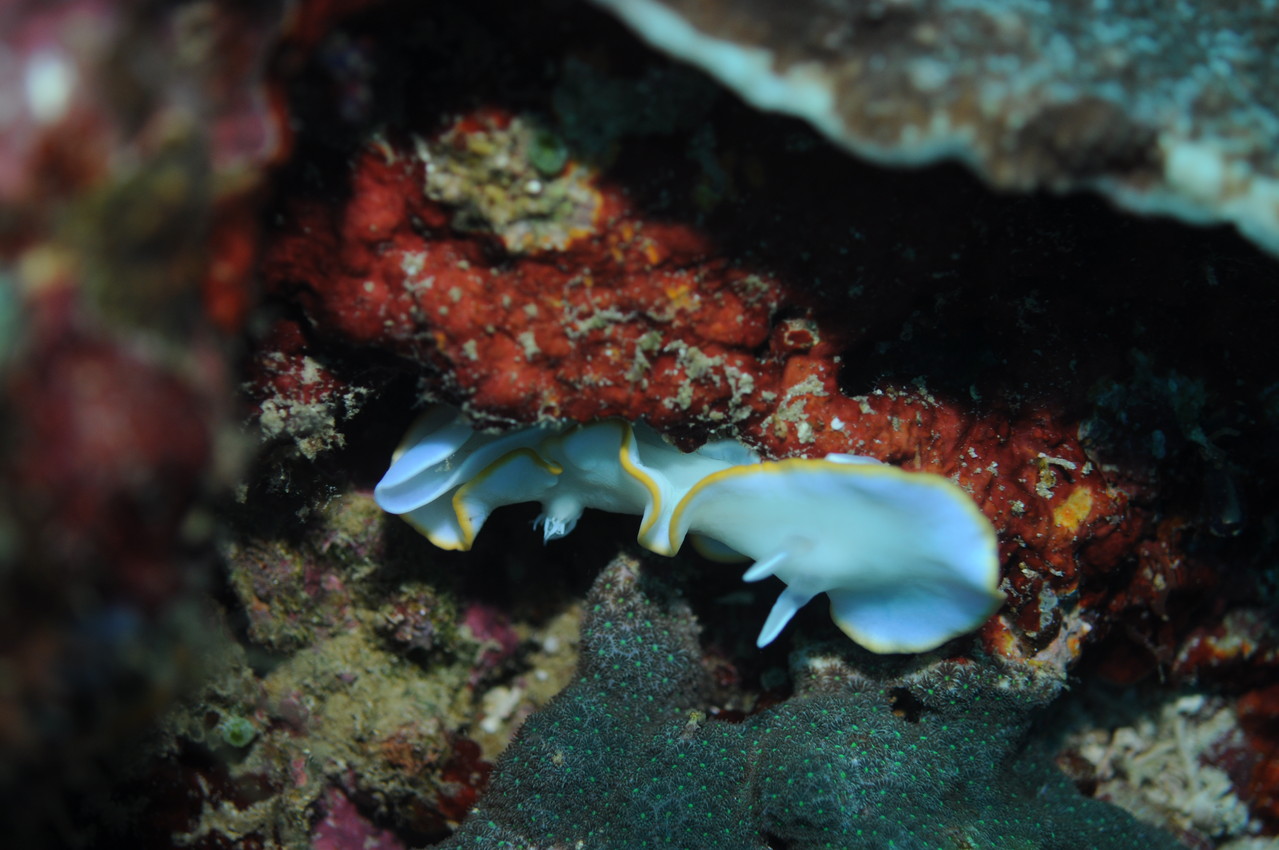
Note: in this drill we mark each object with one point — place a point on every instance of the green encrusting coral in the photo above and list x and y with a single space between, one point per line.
933 758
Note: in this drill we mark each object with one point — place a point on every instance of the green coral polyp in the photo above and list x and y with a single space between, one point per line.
907 559
630 760
237 731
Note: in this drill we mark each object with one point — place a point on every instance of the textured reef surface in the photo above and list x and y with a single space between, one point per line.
1164 109
243 246
931 756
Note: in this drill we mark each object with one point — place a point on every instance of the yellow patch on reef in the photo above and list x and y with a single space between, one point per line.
1071 513
682 296
651 253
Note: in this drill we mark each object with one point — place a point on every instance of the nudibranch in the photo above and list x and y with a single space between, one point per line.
906 558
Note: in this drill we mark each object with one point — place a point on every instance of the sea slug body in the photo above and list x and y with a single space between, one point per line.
907 558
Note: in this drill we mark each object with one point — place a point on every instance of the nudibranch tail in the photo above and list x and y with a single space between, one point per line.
913 618
907 559
866 530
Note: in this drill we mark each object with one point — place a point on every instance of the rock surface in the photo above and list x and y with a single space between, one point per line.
1163 108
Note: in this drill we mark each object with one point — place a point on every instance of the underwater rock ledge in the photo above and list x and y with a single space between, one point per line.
1168 110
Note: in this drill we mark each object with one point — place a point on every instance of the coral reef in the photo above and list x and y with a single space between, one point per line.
699 283
375 674
131 167
240 243
675 347
930 754
1163 111
344 827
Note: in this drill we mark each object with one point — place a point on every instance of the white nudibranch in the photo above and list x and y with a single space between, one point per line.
907 558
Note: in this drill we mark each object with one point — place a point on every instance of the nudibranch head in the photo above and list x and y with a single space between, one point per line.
442 477
907 559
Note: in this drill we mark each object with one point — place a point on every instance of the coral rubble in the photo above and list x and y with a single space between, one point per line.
1164 767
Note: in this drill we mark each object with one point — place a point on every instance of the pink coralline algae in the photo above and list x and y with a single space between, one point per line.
492 631
344 828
